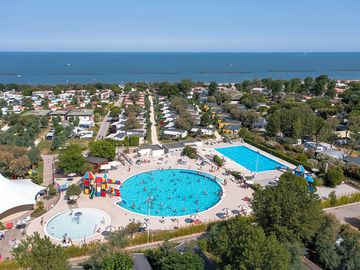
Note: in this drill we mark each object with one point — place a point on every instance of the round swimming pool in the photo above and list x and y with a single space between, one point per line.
77 224
172 192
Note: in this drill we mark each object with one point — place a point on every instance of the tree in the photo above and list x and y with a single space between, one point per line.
103 149
331 89
334 177
185 86
117 261
213 86
184 121
134 96
168 258
73 190
325 243
71 160
190 152
288 210
241 245
39 253
34 155
205 119
115 111
132 122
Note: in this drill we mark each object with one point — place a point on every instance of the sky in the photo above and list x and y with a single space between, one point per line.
180 25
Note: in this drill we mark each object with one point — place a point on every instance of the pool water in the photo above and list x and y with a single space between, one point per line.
248 158
172 192
77 228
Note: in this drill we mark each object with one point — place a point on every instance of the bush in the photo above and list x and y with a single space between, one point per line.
352 198
73 190
117 261
190 152
334 177
218 160
352 171
2 226
103 149
134 141
52 190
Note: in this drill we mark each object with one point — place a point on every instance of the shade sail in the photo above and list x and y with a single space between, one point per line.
15 193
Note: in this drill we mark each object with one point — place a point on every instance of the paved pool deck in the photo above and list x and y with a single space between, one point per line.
233 193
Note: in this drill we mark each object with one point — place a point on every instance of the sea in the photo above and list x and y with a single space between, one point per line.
112 67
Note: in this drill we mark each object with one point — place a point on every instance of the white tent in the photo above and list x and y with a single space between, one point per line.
17 193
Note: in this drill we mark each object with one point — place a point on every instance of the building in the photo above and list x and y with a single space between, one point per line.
173 149
175 133
231 129
154 150
259 125
86 117
203 131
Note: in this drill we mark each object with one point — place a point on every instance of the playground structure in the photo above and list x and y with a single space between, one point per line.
300 171
99 186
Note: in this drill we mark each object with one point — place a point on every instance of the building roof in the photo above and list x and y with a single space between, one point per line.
97 160
352 160
141 262
232 127
38 112
80 112
57 113
152 147
174 145
14 193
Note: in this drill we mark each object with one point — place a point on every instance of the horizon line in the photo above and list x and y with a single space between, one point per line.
45 51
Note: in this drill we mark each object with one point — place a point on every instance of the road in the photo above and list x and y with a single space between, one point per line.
48 173
347 214
104 126
154 137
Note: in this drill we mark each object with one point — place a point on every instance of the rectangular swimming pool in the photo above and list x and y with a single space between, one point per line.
248 158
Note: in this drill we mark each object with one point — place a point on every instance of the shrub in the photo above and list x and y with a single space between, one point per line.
73 190
352 171
134 141
334 177
52 190
2 226
218 160
332 198
190 152
352 198
117 261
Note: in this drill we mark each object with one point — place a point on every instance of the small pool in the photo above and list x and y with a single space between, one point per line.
77 224
248 158
171 192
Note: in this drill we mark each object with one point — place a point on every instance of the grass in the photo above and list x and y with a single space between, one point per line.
40 170
352 198
9 265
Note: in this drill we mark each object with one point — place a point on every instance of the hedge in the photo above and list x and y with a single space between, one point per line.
277 153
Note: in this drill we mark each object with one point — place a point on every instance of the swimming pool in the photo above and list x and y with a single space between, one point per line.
77 224
248 158
171 192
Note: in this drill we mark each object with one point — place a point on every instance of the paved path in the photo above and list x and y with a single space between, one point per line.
104 126
347 214
154 137
48 169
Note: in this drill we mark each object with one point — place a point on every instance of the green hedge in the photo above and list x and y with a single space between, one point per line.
277 153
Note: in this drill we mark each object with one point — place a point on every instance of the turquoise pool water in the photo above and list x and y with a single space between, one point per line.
77 227
248 158
172 192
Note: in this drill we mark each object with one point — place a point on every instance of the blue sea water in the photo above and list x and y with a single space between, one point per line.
248 158
171 192
52 68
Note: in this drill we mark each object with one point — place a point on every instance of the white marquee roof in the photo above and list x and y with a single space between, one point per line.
15 193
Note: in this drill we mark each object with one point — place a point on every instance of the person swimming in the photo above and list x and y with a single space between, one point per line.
197 202
133 206
205 192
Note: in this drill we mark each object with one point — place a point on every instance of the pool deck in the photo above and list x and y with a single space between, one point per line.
232 198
